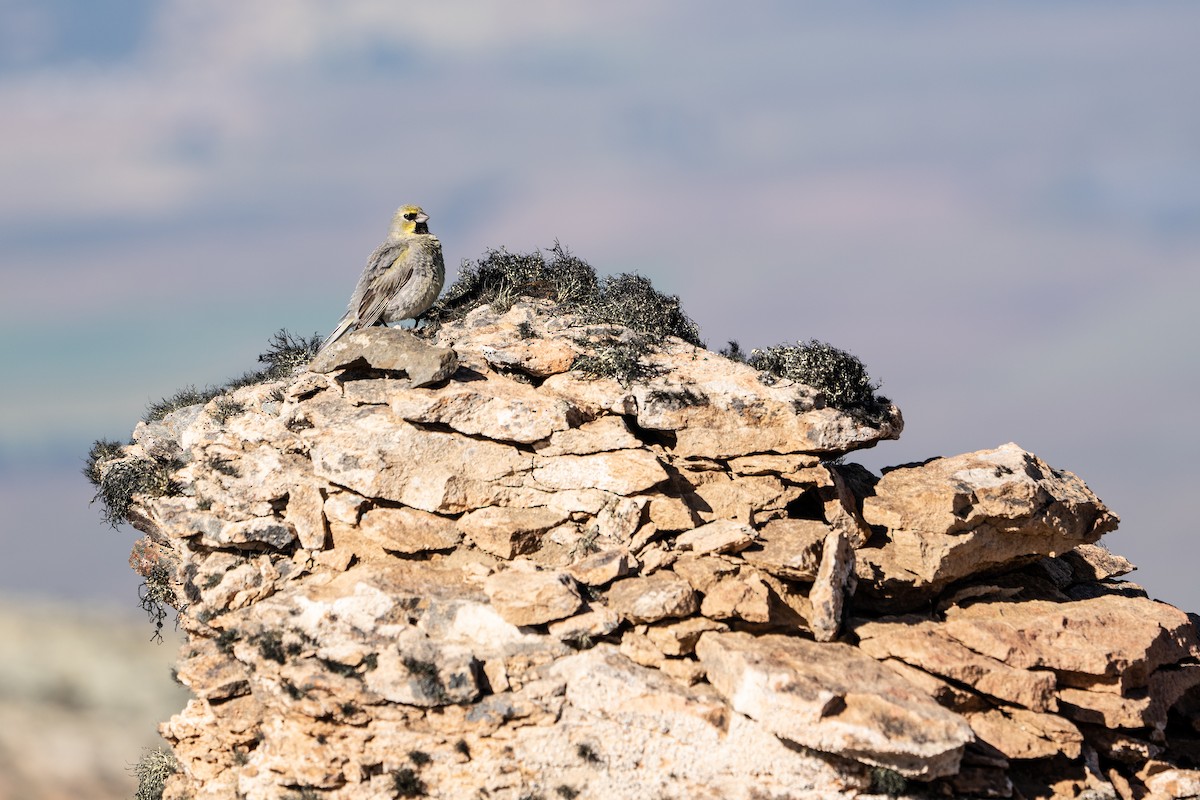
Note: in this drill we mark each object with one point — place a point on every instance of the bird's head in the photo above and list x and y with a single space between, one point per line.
409 219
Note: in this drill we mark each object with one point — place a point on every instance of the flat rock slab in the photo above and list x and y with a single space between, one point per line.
955 517
1124 639
388 349
833 698
1022 734
650 598
926 645
528 597
720 536
789 548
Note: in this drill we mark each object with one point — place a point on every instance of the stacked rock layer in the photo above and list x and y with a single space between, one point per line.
460 569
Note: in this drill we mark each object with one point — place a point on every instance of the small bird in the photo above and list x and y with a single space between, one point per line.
402 279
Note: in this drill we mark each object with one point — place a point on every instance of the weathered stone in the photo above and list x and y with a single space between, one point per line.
1116 637
671 513
771 464
1092 562
743 497
926 644
619 711
651 598
268 532
721 536
789 548
602 435
407 530
322 662
592 623
528 597
508 532
834 583
679 638
344 507
378 456
1135 709
618 519
832 698
306 514
721 410
655 557
604 567
744 596
1019 733
623 472
242 585
519 340
389 349
1173 784
703 572
946 694
952 517
839 502
497 408
213 677
419 673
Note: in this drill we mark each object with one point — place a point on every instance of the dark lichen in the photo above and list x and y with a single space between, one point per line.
156 595
121 479
103 451
888 781
407 783
225 407
617 358
187 396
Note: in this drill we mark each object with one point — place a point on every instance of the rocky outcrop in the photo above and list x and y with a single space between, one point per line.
517 580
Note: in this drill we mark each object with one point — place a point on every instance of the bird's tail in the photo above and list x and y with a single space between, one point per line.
343 327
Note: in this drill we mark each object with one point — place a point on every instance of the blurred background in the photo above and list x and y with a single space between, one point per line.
995 206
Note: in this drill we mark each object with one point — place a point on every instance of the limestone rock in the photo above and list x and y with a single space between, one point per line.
602 435
929 646
1019 733
407 530
527 597
745 596
832 698
722 536
508 532
954 517
511 579
389 349
790 548
648 599
834 582
703 572
621 472
376 456
1119 638
498 409
523 340
602 568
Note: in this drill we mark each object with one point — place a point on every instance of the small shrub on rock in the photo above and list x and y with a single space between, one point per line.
120 479
152 771
838 375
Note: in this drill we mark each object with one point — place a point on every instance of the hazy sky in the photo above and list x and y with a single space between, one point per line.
995 206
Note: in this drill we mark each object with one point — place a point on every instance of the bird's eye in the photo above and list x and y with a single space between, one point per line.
410 216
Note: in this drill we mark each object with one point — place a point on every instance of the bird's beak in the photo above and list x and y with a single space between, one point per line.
422 218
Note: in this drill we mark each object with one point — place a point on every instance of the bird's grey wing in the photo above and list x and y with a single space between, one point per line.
387 270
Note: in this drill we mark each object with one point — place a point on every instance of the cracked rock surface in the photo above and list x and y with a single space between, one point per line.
489 576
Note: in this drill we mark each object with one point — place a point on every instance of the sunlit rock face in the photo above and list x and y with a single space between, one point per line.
456 567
